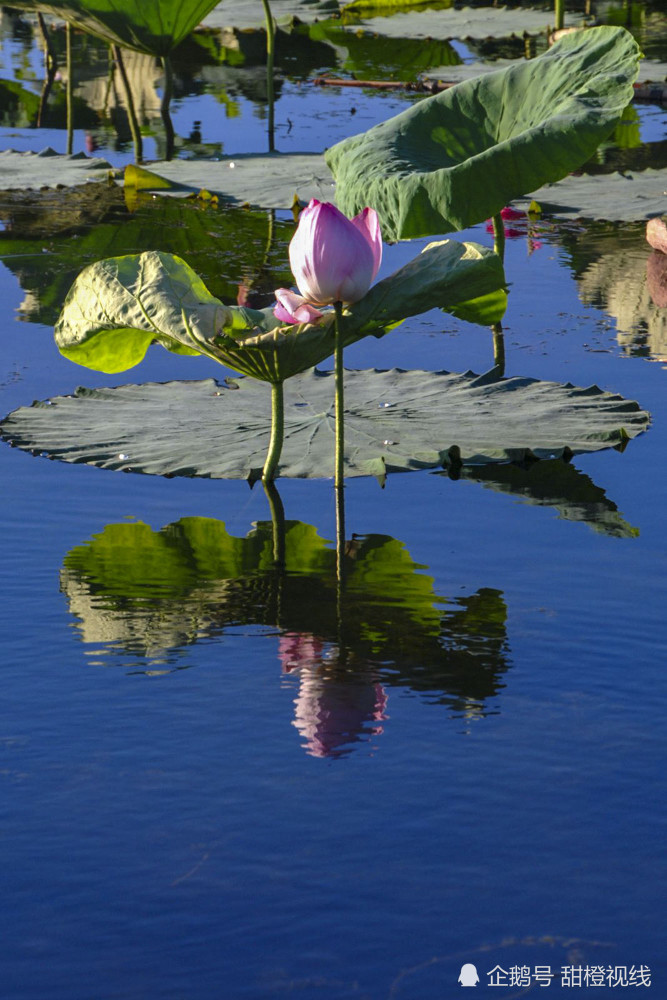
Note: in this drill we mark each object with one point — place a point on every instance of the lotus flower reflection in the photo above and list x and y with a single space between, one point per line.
333 259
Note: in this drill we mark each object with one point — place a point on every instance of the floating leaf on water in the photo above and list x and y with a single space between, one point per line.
439 418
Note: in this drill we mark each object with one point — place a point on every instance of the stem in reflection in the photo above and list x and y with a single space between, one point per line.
340 572
51 62
277 432
339 471
164 106
277 522
68 89
270 55
129 101
498 348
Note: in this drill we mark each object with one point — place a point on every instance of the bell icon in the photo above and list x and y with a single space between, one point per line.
468 975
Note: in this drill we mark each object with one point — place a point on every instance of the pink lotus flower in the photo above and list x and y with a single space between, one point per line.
333 259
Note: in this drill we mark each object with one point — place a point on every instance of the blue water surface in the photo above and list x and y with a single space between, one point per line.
228 814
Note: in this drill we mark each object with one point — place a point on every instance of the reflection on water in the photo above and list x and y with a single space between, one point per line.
558 484
145 596
617 272
49 236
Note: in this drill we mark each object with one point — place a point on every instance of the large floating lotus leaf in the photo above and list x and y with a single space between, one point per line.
151 593
395 421
458 157
152 26
118 307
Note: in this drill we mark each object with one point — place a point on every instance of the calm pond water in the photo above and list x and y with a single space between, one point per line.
212 787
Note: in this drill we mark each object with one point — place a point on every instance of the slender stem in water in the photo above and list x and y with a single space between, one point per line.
559 9
129 100
164 106
499 348
339 473
68 91
270 55
277 432
499 235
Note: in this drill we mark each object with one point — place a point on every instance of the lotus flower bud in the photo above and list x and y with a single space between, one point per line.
333 258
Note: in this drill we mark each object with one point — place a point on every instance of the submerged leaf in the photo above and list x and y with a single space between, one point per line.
458 157
395 421
118 307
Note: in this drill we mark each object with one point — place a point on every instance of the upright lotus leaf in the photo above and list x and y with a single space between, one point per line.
395 421
455 159
118 307
152 26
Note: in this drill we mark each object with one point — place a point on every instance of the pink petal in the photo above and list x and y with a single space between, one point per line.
368 224
293 308
331 258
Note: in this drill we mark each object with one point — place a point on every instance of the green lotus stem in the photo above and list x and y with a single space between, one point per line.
339 472
498 348
559 10
270 53
499 235
277 432
277 522
164 106
68 90
51 61
129 100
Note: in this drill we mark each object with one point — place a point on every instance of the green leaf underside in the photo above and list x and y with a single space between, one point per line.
153 592
457 158
152 26
118 307
395 421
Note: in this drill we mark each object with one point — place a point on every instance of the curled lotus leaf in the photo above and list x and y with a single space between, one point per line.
118 307
455 159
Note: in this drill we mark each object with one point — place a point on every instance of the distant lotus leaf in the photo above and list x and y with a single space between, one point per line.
118 307
395 421
454 159
152 26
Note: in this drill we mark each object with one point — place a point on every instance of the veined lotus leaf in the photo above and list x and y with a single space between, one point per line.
456 158
395 421
118 307
151 593
152 26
